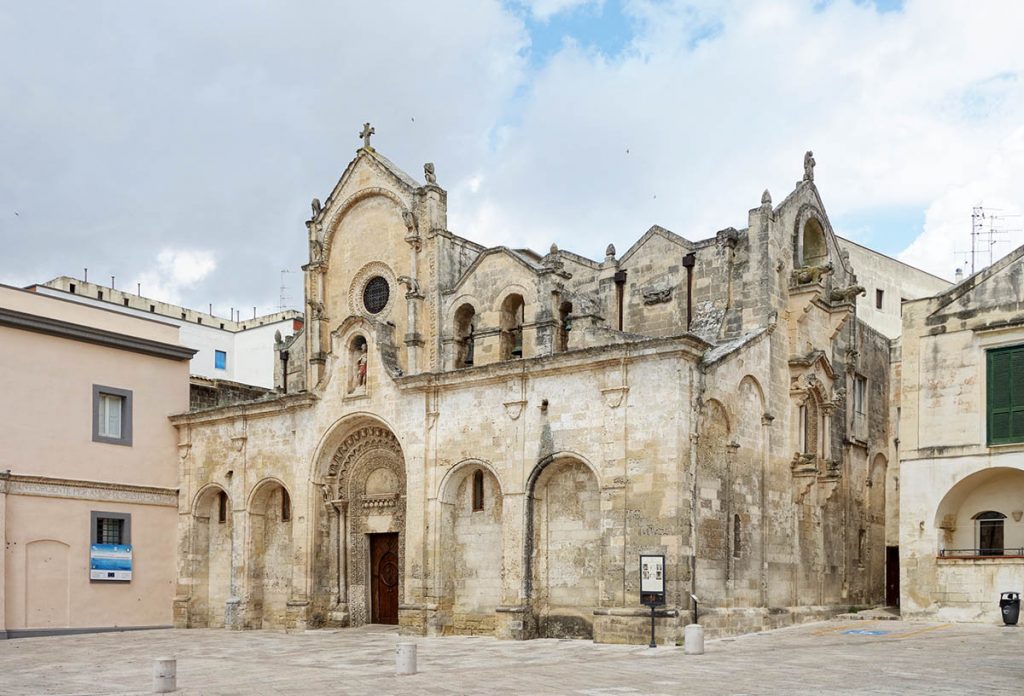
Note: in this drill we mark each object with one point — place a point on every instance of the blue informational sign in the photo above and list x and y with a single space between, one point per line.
110 562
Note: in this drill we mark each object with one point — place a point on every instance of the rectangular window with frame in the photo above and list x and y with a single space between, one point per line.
220 359
1005 408
111 415
860 394
111 528
879 295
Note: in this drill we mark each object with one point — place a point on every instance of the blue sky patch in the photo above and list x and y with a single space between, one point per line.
889 230
599 26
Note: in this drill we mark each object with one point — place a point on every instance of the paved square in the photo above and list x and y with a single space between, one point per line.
823 658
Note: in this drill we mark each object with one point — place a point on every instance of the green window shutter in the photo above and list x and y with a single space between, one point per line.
1005 395
1017 394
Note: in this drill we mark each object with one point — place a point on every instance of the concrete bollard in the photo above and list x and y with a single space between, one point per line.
165 675
405 658
693 639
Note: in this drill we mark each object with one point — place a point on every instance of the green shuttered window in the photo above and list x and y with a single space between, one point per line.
1006 395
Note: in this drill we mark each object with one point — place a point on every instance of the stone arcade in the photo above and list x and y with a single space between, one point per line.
483 440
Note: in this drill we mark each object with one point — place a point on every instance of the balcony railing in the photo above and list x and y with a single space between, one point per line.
981 553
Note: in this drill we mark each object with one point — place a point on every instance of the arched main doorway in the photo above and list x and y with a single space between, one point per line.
360 551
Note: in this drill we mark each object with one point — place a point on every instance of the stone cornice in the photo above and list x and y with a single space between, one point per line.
252 409
89 334
686 346
52 487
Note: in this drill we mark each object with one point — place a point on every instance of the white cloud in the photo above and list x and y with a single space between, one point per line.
543 10
716 101
175 271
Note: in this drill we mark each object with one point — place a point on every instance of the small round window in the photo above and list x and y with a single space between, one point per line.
376 295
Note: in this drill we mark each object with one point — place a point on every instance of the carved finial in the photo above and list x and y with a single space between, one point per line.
766 199
428 173
367 131
277 336
609 253
554 248
316 206
809 166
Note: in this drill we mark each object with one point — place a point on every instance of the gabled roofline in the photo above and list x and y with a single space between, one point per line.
656 230
485 254
967 284
405 181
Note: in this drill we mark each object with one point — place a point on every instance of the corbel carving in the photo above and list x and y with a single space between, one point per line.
654 296
514 409
613 396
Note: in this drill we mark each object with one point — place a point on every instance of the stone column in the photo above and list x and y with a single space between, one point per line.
513 619
341 508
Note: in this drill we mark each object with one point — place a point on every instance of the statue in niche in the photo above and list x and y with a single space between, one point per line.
469 341
360 381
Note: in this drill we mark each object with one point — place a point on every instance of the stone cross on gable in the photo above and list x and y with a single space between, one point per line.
365 135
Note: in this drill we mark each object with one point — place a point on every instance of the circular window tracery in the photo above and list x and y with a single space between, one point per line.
376 294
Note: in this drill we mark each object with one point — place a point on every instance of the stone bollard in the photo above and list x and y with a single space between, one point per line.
165 675
405 658
693 639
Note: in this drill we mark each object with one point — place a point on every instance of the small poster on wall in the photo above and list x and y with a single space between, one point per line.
110 562
652 579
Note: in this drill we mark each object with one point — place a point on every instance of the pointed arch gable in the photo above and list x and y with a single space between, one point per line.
334 223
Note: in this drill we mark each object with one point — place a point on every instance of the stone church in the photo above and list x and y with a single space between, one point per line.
474 440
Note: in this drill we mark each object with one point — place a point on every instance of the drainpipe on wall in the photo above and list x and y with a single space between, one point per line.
689 261
620 291
284 371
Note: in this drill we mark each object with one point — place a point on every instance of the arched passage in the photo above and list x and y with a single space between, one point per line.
565 549
211 553
470 554
966 506
269 554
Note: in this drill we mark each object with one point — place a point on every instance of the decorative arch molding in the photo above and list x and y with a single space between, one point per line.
452 306
342 210
263 486
712 408
755 385
203 493
811 211
338 433
353 456
508 290
446 488
550 459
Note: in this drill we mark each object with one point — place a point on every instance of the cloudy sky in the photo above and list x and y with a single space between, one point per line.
178 145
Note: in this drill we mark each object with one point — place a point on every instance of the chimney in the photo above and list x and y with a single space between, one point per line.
959 275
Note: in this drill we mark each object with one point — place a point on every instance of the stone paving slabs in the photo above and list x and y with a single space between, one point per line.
836 657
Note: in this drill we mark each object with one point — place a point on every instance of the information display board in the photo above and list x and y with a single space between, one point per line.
110 562
652 579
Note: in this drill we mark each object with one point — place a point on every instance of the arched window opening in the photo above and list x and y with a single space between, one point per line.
357 360
222 507
809 430
736 536
990 533
564 327
465 337
814 248
286 506
478 490
513 311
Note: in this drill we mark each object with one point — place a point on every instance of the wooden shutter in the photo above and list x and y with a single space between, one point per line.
1006 395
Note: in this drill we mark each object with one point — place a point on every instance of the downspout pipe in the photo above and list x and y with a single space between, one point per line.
689 261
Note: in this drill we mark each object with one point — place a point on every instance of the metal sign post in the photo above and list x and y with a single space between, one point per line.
652 585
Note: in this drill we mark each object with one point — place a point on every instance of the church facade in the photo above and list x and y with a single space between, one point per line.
471 440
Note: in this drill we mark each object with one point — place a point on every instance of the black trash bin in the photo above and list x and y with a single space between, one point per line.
1009 604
